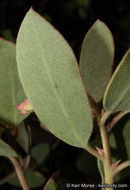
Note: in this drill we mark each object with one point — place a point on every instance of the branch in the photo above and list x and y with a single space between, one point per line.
116 119
121 167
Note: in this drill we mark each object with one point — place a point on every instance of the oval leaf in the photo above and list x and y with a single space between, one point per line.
11 91
51 79
117 95
40 152
83 163
6 150
33 178
96 59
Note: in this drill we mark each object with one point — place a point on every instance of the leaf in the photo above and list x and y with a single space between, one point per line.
120 144
117 95
40 152
34 179
96 59
11 91
22 137
51 79
83 163
8 35
6 150
101 170
50 185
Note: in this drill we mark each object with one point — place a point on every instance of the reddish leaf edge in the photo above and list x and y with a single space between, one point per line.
2 39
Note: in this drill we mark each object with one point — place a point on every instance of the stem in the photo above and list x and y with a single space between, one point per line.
92 151
116 119
19 173
121 167
109 178
25 164
7 178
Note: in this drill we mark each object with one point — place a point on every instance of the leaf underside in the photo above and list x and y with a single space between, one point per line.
50 77
6 150
11 91
96 59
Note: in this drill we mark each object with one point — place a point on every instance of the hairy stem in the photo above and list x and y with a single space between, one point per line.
92 151
19 173
121 167
117 118
109 178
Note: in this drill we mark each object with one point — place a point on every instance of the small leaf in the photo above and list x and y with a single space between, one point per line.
34 179
6 150
51 79
50 185
83 163
8 35
117 95
96 59
40 152
22 137
11 91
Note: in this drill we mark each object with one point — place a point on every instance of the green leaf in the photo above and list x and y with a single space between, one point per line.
120 144
117 95
40 152
23 137
51 79
83 163
34 179
11 91
50 185
6 150
101 170
96 59
8 35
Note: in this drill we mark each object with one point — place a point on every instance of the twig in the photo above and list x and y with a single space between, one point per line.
116 119
19 173
121 167
7 178
92 151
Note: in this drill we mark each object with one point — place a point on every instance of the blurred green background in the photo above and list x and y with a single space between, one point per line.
72 18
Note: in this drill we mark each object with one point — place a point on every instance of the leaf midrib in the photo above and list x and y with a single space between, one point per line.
61 104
